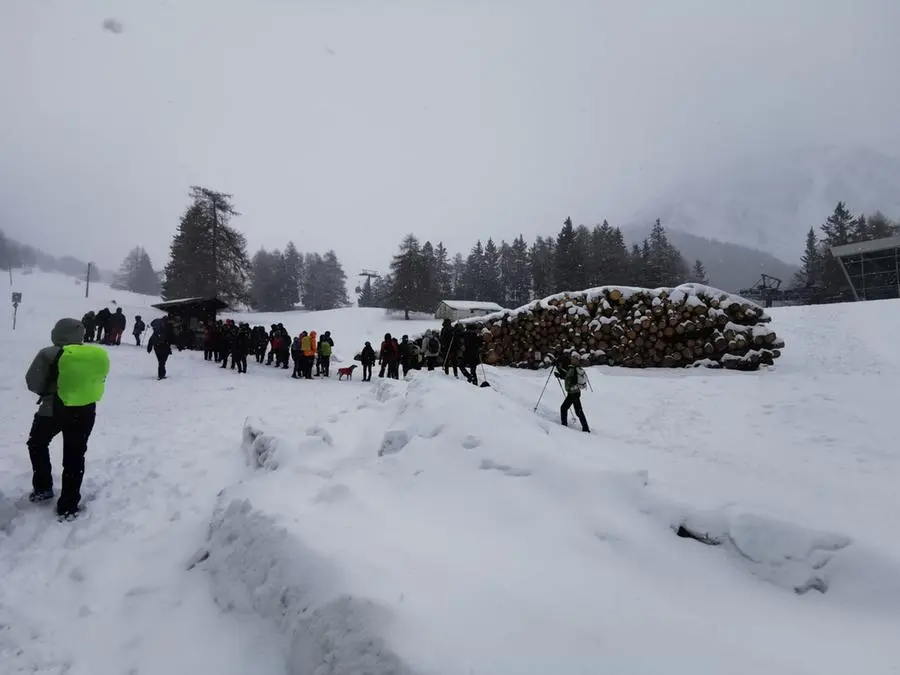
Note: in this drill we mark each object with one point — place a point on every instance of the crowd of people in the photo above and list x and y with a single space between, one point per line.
455 348
106 327
69 376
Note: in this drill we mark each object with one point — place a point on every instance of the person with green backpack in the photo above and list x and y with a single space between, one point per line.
69 378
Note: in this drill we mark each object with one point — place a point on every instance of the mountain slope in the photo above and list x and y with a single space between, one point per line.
729 266
769 201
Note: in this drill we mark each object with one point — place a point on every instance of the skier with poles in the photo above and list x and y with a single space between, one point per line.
574 380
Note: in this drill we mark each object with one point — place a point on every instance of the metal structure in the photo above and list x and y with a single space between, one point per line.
16 299
872 268
369 274
768 291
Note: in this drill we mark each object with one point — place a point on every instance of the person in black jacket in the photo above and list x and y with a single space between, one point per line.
229 334
89 321
242 344
367 359
451 346
160 343
471 354
139 328
116 326
102 325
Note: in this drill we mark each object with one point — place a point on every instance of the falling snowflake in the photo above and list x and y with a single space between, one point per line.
113 26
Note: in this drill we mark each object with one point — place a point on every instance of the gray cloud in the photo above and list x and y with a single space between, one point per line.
345 125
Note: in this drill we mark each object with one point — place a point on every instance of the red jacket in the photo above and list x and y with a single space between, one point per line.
389 352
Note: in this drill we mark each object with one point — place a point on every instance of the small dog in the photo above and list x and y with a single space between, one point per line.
348 371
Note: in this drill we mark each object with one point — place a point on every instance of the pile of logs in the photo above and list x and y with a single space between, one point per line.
691 325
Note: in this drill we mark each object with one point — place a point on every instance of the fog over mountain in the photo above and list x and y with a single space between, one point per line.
769 200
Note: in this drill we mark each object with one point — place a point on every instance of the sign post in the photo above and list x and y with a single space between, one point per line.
16 299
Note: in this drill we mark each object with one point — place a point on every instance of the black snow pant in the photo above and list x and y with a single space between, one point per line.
573 400
162 355
451 362
431 362
367 372
469 370
394 370
326 365
298 366
75 424
406 365
308 361
137 339
239 358
208 352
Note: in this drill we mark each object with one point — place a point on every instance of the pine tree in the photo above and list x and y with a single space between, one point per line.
839 228
265 293
619 259
518 285
429 285
381 291
293 267
491 290
443 272
698 274
334 281
136 274
311 289
665 266
541 259
457 277
472 285
810 273
569 272
506 265
406 269
207 256
366 294
879 226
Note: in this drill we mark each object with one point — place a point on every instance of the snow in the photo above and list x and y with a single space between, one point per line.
688 293
469 305
252 523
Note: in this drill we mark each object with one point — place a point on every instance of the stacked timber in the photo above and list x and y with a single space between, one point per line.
691 325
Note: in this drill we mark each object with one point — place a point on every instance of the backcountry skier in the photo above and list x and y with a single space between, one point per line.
574 381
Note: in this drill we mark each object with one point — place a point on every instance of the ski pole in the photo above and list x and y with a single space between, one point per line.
544 389
588 381
449 347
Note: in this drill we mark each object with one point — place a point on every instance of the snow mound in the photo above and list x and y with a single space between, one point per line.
444 528
797 558
256 566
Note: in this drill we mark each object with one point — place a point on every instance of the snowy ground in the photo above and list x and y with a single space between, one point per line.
432 527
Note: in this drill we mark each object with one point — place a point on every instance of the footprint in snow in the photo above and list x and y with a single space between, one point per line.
505 469
471 442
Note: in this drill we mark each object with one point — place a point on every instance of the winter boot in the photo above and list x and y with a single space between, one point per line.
40 496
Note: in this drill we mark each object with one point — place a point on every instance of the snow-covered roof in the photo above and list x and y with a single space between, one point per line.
467 305
861 247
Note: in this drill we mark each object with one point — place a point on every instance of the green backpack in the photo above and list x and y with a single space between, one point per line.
81 372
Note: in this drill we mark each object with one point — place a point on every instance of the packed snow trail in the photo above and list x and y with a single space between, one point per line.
110 592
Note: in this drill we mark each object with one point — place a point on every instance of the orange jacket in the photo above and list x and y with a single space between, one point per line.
312 344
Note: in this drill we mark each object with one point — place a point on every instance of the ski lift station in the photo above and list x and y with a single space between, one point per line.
872 268
464 309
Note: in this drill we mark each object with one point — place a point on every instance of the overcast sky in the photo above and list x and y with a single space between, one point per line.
346 124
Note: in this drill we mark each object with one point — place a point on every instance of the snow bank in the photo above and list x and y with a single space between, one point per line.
431 526
256 565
